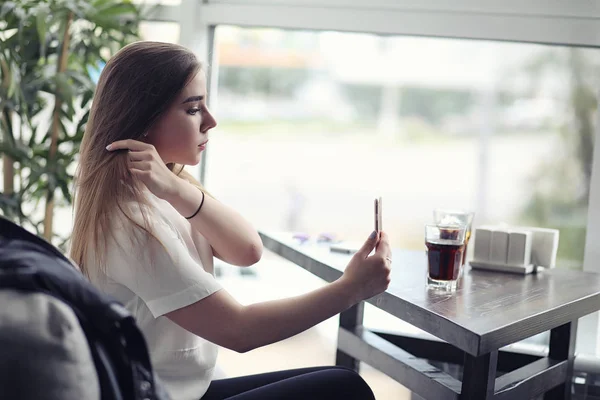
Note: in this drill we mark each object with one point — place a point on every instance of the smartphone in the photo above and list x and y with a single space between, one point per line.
351 248
378 214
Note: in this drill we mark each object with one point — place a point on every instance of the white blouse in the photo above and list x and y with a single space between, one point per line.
154 277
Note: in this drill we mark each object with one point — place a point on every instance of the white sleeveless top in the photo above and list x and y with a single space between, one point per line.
151 280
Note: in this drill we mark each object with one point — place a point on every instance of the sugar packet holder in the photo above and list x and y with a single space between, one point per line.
518 250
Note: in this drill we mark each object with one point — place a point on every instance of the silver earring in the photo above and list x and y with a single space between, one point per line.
145 134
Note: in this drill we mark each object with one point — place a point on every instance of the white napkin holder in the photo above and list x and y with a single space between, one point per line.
514 249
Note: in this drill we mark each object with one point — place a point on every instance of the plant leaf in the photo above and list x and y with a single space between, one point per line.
40 18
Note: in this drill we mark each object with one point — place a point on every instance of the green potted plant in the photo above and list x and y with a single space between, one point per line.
50 54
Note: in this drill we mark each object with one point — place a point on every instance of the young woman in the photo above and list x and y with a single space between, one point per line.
146 232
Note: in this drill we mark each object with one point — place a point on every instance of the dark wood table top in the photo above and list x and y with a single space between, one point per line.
489 310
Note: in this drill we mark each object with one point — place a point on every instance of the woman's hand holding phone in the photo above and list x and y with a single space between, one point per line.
370 275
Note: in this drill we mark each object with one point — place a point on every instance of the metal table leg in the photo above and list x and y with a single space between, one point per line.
562 347
350 320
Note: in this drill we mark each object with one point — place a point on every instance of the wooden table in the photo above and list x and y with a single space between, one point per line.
487 312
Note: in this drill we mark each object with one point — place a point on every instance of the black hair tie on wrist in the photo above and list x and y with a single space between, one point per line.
198 210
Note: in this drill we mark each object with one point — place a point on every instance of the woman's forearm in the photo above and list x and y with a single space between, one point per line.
232 238
272 321
243 328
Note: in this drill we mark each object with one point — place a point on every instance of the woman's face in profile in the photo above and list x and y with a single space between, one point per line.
181 133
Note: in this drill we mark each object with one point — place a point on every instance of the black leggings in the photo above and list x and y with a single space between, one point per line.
319 383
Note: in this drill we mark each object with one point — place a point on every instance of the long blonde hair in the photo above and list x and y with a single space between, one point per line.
135 88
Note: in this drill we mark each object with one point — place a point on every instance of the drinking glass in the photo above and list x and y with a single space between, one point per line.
445 246
456 217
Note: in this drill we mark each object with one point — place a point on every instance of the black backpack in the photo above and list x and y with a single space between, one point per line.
30 264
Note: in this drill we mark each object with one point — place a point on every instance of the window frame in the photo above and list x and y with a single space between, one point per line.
535 21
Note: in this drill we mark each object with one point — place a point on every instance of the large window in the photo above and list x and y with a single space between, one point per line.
314 125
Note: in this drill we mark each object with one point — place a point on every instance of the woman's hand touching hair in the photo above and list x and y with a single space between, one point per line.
146 165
